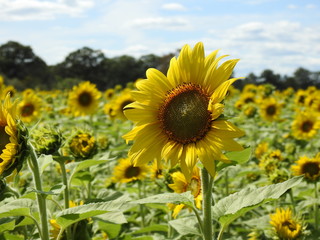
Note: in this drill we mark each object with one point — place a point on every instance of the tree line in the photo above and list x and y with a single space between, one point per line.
24 69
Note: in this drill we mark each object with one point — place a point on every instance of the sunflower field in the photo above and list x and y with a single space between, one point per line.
178 155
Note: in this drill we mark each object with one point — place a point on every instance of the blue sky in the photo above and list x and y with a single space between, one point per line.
265 34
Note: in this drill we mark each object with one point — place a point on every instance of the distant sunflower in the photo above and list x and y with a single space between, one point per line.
177 116
8 90
180 185
270 109
305 125
120 102
285 225
84 99
109 93
310 167
12 138
126 172
82 145
261 149
30 108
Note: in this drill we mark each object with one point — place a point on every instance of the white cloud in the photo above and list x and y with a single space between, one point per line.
41 10
292 6
169 23
174 7
311 6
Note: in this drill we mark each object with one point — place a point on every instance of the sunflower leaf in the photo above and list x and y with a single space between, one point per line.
18 207
70 216
235 205
185 226
176 198
236 157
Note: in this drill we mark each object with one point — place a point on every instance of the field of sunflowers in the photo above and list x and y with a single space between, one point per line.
178 155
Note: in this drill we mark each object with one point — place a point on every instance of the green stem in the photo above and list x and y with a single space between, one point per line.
199 219
41 198
220 234
65 193
316 207
207 204
292 202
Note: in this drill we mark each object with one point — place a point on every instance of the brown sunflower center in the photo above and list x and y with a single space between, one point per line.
311 168
131 172
85 99
195 186
184 115
27 110
271 110
125 103
248 100
4 138
289 224
307 126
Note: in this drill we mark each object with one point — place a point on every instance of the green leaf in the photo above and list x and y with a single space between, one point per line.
237 157
69 216
7 224
10 236
176 198
78 166
44 162
55 190
152 228
186 226
235 205
111 229
19 207
114 217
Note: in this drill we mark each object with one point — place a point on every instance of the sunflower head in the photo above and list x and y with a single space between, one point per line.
305 125
84 99
82 144
310 167
270 109
286 226
8 90
30 107
13 139
125 171
116 107
177 116
46 139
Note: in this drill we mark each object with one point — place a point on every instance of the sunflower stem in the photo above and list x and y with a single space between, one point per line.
41 198
316 207
141 206
66 192
207 204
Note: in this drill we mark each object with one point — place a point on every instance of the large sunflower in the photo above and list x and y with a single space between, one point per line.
305 125
30 107
177 116
12 141
84 99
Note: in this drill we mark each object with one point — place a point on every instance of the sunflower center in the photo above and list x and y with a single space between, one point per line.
311 168
85 99
125 103
184 115
248 100
4 138
271 110
307 126
289 224
84 143
195 186
27 110
131 172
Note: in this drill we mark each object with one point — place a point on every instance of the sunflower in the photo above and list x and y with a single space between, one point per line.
181 184
126 172
177 116
12 140
82 145
84 99
30 108
8 90
109 93
305 125
310 167
270 109
115 108
284 225
261 149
